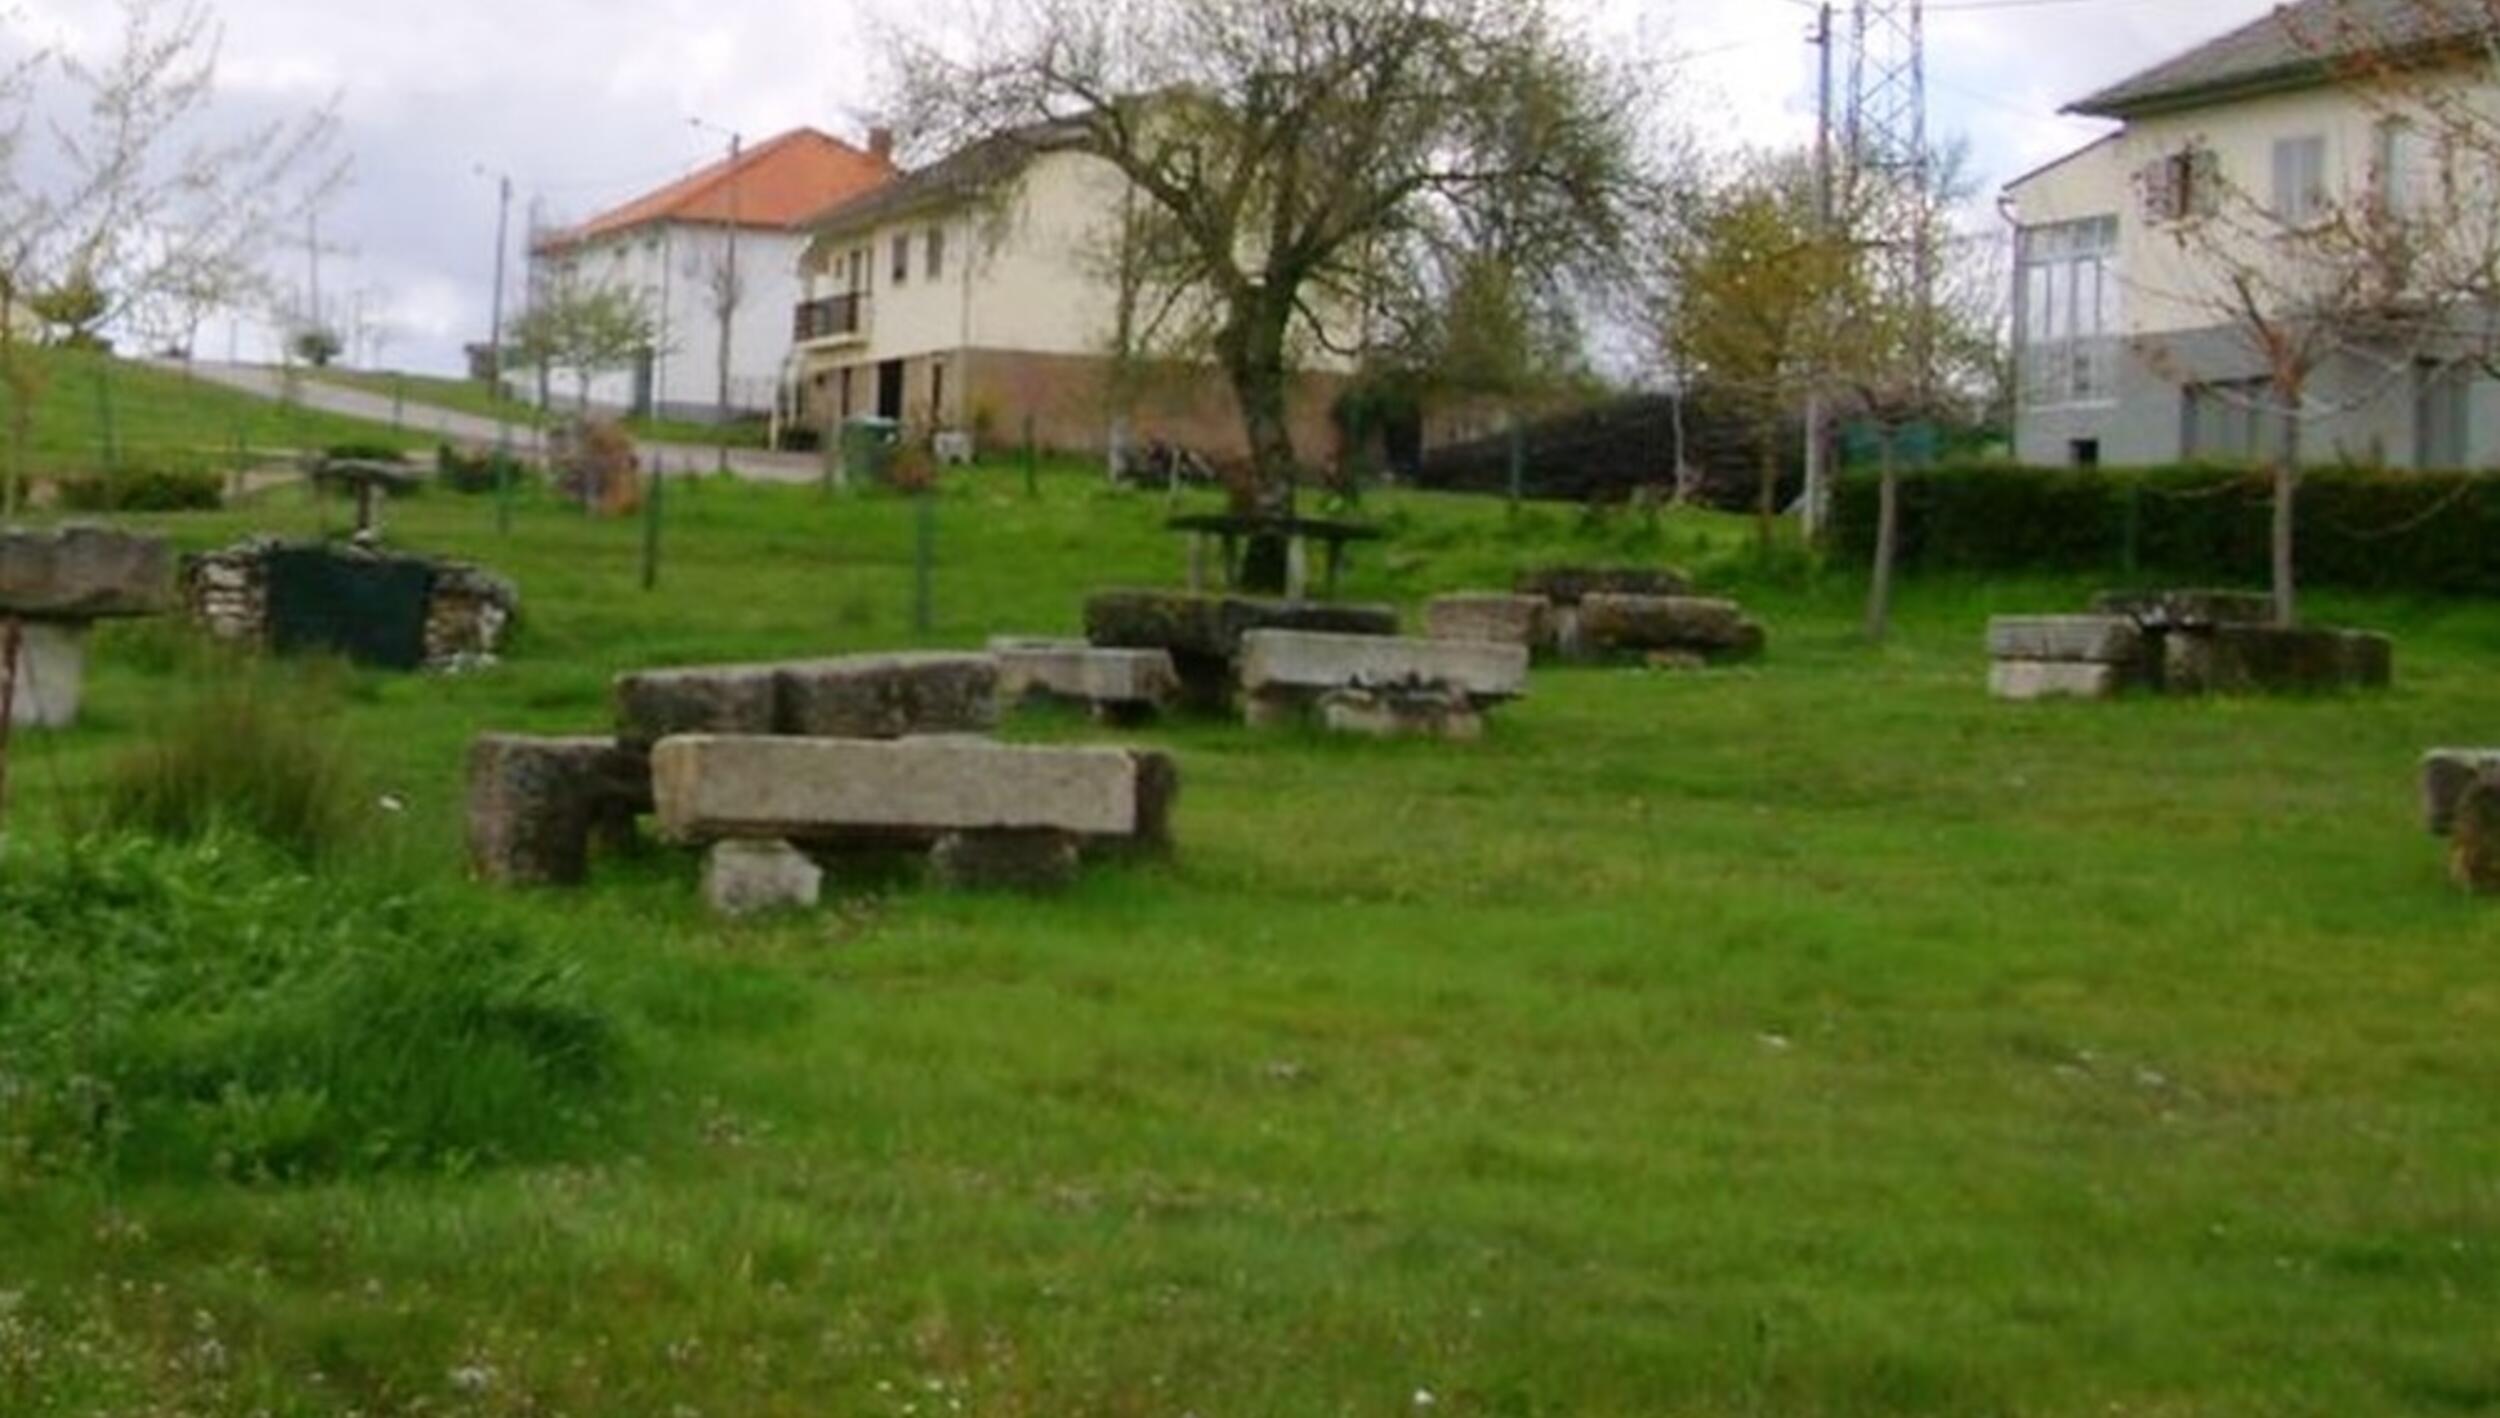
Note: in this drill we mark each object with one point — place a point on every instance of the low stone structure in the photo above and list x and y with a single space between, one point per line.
1669 629
2179 642
1494 617
857 696
1378 685
1203 633
751 878
536 804
991 815
465 611
2446 774
1570 585
2461 802
54 585
2064 656
1116 686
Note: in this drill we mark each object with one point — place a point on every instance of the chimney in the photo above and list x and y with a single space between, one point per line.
881 144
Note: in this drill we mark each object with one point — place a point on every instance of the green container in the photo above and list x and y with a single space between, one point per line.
868 446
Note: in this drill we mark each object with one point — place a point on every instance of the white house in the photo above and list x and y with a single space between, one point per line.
981 290
672 247
2125 340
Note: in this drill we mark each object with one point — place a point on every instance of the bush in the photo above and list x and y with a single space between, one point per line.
364 453
476 474
186 1011
2359 529
252 749
143 490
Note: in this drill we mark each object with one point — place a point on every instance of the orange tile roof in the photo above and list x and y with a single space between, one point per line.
776 184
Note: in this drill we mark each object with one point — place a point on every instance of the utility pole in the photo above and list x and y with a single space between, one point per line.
1818 475
494 355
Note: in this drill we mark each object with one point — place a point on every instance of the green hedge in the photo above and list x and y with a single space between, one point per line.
2360 529
142 490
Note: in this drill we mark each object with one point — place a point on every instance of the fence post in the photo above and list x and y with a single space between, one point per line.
924 555
1032 470
651 524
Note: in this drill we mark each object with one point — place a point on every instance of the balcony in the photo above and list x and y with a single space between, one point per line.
834 320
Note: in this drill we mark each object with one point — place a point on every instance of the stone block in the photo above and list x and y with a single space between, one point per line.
1158 795
534 804
2446 774
1571 585
743 879
2086 639
1290 663
1129 682
1405 711
2186 610
1035 863
711 788
652 705
2474 840
84 573
1611 624
2024 681
1500 619
2267 659
887 696
1203 632
51 680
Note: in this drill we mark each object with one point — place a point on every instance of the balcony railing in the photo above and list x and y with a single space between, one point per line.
835 317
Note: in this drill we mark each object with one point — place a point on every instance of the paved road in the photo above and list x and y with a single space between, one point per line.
752 464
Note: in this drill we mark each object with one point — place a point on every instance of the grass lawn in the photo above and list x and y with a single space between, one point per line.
1815 1037
470 397
96 412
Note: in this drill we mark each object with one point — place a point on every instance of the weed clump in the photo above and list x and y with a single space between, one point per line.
179 1011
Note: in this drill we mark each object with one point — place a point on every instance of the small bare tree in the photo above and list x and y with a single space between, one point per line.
143 197
586 329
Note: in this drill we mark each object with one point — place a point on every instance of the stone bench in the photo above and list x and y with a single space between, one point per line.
2268 659
1493 618
2064 656
855 697
989 815
2186 610
1117 686
1667 630
1203 633
1378 685
536 804
54 586
1570 585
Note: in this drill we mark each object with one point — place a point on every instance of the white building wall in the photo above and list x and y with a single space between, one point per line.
672 266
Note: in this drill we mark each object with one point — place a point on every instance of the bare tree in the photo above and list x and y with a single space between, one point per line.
585 329
145 196
1296 161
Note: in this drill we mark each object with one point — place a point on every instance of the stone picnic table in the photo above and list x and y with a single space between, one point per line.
1231 532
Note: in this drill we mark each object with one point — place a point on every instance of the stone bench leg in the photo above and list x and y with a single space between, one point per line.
51 674
1031 862
1423 711
535 806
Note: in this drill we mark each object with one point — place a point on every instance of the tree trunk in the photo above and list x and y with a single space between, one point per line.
1887 539
2286 508
1767 494
1254 356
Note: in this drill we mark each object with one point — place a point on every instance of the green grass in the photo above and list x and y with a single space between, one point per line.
1816 1037
95 413
468 396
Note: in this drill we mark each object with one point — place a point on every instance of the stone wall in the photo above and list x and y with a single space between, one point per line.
468 614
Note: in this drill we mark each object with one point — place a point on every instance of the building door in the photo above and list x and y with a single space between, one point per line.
890 390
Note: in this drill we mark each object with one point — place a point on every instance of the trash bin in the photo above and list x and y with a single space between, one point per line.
868 446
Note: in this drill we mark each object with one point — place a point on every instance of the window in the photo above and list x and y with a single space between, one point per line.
2442 413
2084 453
2232 422
2068 322
2299 180
859 270
902 259
937 252
2187 183
2405 172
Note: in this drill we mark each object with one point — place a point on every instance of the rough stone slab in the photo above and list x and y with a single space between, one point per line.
2186 610
652 705
1500 619
750 878
1302 662
1035 863
2474 842
84 573
2085 639
2266 659
1078 672
1402 713
886 696
1616 624
535 802
2025 681
711 788
1571 585
2446 774
1187 623
51 674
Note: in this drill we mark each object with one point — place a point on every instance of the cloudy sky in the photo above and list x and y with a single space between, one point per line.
588 102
